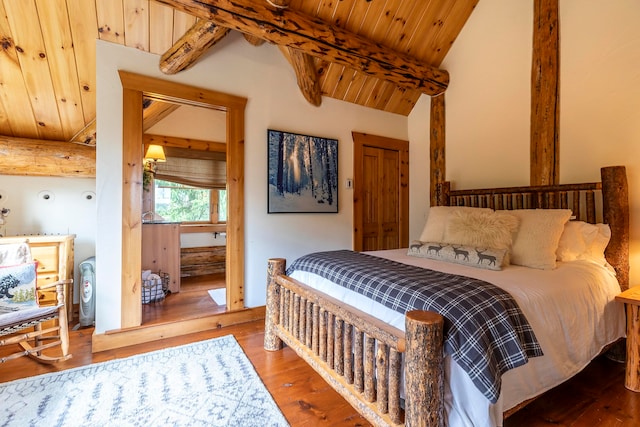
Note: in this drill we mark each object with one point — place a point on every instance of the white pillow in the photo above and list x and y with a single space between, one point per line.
599 244
581 240
538 236
573 241
437 220
481 228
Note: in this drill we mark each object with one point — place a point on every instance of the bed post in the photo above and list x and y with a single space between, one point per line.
275 267
615 207
423 371
442 193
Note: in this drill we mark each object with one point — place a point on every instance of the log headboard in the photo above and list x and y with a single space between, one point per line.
606 201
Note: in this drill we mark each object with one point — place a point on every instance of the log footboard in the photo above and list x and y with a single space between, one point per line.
358 355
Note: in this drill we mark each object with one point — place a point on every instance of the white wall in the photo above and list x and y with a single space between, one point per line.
488 101
70 209
265 78
194 123
196 240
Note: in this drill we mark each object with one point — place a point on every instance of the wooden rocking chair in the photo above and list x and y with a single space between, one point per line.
22 320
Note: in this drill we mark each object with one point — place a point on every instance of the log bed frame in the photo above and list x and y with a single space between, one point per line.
323 331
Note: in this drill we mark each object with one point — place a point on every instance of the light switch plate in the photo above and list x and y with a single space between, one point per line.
348 184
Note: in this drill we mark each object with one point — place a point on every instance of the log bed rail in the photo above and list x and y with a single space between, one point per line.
357 354
361 357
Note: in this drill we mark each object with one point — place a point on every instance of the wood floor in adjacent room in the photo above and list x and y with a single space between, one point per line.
595 397
193 300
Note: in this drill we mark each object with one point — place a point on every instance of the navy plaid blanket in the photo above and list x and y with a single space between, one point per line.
485 331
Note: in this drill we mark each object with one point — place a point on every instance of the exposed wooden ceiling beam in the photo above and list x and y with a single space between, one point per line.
320 39
156 111
256 41
36 157
303 66
192 144
306 74
191 46
205 34
86 135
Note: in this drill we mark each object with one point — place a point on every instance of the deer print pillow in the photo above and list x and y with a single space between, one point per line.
480 257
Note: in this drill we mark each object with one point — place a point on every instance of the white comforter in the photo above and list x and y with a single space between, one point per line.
571 309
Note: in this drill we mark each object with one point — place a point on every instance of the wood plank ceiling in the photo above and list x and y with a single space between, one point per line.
47 51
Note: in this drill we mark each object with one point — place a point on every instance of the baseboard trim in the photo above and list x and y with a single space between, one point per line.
140 334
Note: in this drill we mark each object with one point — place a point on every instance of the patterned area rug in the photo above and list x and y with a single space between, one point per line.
208 383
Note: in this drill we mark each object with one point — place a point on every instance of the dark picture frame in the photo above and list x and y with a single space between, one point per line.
302 173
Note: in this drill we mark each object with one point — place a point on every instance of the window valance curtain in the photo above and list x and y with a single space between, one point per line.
203 173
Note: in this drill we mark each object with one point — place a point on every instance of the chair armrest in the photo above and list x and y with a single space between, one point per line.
59 285
55 284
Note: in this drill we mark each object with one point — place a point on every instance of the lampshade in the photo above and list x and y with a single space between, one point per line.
155 153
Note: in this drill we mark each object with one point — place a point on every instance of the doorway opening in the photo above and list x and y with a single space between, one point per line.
136 89
184 211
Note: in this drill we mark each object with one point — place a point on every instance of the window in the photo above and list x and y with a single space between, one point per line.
221 211
185 203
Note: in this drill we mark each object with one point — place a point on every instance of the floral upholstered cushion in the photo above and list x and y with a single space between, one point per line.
18 287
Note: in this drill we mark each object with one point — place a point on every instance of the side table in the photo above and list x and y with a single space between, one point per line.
631 300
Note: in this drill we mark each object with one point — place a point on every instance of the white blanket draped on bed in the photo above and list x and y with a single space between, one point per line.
571 309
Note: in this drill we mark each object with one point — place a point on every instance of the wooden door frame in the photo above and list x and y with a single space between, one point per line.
361 140
135 87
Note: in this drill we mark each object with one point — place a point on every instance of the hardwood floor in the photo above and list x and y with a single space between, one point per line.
595 397
193 300
304 398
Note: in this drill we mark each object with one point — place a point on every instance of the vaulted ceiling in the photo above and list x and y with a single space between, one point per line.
381 54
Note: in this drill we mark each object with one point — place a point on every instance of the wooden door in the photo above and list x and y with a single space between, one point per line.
381 193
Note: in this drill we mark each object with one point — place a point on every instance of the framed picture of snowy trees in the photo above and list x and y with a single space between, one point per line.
303 173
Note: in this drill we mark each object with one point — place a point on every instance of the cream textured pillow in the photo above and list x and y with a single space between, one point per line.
538 236
436 221
481 228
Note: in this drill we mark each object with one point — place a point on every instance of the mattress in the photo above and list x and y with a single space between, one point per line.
571 309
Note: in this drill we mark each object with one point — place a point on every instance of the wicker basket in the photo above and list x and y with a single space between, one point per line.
155 289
